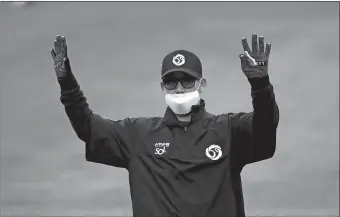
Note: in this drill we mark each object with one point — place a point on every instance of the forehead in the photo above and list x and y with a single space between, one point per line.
179 76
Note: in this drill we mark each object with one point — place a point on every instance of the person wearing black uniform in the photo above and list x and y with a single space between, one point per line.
189 162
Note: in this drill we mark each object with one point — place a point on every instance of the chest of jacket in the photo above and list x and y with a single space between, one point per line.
193 161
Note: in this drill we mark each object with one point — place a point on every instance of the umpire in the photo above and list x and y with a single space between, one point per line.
187 163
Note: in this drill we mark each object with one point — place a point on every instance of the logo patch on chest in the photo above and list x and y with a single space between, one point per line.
160 148
214 152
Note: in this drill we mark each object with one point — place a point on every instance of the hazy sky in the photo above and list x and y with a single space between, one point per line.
116 50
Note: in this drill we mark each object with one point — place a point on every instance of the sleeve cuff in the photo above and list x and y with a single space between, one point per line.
259 83
68 83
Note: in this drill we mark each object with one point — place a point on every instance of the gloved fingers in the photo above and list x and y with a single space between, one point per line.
63 45
56 46
268 47
261 44
245 44
255 48
53 54
58 39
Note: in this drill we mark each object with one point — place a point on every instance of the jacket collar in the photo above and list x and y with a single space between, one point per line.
197 112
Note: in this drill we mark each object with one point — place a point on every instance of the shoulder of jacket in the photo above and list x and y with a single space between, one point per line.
220 117
145 121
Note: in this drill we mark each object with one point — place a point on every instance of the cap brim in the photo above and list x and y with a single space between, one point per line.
186 71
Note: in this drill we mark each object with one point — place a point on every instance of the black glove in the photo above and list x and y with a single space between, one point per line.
62 64
254 63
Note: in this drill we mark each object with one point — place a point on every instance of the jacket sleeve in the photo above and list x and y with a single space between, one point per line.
254 134
107 142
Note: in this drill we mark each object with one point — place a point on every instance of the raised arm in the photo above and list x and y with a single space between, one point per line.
107 142
254 133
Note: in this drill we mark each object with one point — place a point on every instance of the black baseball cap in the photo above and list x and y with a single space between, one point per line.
182 61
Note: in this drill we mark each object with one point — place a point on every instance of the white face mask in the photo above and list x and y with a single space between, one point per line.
182 103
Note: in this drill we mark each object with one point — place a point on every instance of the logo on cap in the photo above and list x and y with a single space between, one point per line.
178 60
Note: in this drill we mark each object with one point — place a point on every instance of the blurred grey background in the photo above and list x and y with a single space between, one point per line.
116 49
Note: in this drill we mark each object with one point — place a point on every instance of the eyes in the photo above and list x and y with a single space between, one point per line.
171 84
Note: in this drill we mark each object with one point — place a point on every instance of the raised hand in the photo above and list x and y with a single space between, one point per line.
254 63
60 58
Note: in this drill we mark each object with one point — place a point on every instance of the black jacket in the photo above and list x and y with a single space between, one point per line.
178 169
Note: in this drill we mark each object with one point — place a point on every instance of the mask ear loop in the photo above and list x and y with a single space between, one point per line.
199 85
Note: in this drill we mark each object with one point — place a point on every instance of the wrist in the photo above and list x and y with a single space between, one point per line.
68 82
259 83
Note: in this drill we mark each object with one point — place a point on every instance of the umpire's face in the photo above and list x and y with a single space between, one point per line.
180 82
